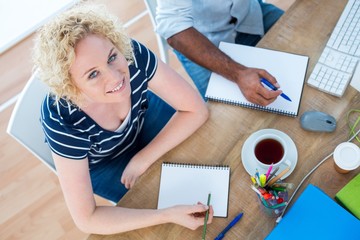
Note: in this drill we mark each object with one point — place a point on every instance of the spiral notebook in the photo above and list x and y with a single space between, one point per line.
191 183
289 70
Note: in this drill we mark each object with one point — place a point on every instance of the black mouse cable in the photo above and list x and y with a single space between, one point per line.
307 175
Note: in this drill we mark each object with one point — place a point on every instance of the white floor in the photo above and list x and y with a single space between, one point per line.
20 18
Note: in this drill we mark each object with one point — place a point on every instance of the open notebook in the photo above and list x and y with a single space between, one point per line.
190 183
289 70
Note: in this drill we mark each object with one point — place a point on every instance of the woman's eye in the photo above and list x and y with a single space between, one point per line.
93 74
112 58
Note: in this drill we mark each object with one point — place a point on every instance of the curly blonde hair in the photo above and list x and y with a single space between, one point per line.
54 50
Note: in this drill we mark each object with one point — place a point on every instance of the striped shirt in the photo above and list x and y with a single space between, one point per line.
71 133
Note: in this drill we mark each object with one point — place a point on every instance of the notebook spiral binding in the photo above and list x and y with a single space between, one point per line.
200 166
252 106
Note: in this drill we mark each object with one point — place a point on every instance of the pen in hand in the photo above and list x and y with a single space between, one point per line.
269 84
231 224
206 217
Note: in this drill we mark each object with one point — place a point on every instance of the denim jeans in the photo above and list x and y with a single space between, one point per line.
106 177
200 75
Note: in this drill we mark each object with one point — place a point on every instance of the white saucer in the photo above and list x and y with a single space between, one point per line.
251 166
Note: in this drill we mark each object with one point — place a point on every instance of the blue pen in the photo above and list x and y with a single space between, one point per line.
267 83
231 224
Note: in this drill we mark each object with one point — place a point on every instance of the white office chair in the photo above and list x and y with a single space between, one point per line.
162 44
24 124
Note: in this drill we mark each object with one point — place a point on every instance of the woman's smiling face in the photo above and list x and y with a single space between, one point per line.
100 71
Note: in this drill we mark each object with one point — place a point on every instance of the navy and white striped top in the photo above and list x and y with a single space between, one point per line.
71 133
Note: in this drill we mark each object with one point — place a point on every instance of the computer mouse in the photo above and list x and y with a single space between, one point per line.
317 121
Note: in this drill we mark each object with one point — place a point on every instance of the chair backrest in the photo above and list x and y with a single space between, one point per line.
24 124
162 44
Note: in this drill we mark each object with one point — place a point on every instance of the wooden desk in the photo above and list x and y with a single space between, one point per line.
304 29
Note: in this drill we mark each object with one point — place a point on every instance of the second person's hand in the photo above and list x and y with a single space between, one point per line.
249 82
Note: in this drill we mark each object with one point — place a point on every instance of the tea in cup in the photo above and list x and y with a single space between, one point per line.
270 149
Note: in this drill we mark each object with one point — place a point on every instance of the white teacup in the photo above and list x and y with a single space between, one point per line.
270 149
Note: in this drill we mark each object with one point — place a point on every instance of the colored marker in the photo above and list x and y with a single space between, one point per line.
262 180
284 185
269 171
283 204
256 190
257 174
254 181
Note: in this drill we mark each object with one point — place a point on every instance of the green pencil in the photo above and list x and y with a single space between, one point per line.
206 217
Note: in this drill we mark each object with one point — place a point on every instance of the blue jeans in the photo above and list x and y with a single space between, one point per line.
201 75
105 179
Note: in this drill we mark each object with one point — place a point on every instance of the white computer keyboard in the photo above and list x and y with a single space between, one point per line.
339 59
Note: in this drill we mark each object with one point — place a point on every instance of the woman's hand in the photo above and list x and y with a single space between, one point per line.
190 216
135 168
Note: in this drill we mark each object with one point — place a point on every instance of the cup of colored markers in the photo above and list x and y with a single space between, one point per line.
271 191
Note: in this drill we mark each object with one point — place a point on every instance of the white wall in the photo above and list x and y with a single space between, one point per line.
20 18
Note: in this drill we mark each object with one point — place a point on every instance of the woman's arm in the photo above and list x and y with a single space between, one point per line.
75 182
191 113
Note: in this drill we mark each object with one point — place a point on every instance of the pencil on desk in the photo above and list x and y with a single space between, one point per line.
206 217
272 181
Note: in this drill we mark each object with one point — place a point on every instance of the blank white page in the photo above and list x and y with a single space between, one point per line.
189 184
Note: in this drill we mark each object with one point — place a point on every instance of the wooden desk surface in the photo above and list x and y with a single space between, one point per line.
304 29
